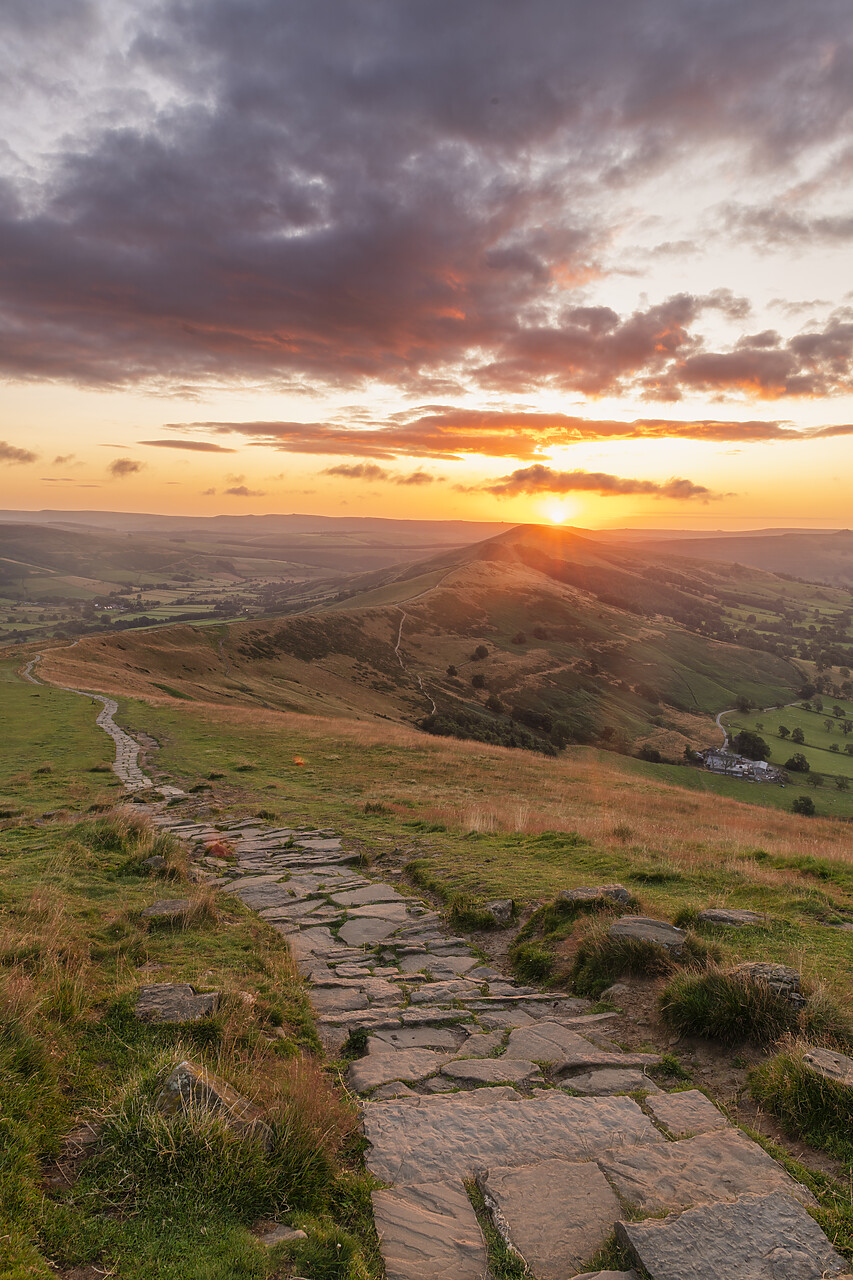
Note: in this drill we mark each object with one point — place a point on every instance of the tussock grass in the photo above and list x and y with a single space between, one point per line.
532 953
731 1008
810 1107
600 960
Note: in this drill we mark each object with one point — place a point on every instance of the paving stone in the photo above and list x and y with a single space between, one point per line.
836 1067
734 917
365 933
444 992
261 897
592 893
644 929
444 966
491 1071
170 1002
174 909
385 1064
192 1086
712 1167
337 1000
429 1232
566 1049
555 1214
369 893
756 1238
440 1084
686 1112
502 1019
482 1046
421 1038
450 1137
610 1080
395 1089
608 1275
397 911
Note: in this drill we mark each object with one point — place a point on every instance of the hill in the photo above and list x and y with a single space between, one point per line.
813 556
538 637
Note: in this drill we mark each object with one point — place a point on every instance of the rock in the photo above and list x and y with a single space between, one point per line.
429 1232
421 1038
379 1067
368 893
684 1113
155 863
396 1089
366 933
279 1234
491 1071
608 1275
555 1213
616 992
448 1137
168 909
610 1080
482 1046
756 1238
643 929
712 1167
836 1067
778 977
592 893
192 1086
437 966
174 1002
502 911
566 1050
734 917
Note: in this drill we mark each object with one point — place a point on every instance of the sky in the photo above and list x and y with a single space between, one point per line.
501 260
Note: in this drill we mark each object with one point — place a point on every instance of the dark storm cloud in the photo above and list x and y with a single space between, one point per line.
539 479
449 433
333 191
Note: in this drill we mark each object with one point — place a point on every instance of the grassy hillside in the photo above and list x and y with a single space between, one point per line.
815 556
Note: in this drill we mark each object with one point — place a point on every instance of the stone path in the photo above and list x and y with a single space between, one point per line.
126 764
470 1080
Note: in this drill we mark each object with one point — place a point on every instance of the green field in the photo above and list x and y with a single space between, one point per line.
819 740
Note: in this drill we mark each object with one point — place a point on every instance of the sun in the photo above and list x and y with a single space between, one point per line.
558 510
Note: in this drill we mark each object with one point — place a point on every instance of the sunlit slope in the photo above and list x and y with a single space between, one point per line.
576 634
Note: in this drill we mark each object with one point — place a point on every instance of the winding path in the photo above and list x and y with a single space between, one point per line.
421 685
126 764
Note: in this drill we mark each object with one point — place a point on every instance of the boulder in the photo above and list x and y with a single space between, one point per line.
502 911
155 863
592 893
643 929
169 910
166 1002
781 979
190 1086
732 918
836 1067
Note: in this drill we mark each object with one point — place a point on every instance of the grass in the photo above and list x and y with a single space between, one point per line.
817 1110
599 959
731 1008
154 1197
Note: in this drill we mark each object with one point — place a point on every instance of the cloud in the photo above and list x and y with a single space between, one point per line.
241 491
10 453
358 471
421 202
207 493
119 468
196 446
541 479
63 459
416 478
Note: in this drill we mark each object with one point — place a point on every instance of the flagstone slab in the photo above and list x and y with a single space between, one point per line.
769 1237
712 1167
368 893
610 1080
556 1213
421 1038
492 1071
482 1046
366 933
566 1049
429 1232
386 1064
448 1136
689 1112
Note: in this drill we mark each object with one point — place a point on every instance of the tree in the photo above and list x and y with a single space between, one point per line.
451 670
842 784
479 653
649 753
804 805
743 703
519 638
784 731
478 681
846 727
494 704
815 780
827 724
751 745
798 763
837 711
833 746
797 735
848 747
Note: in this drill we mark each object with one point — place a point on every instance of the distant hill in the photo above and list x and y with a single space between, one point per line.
814 556
535 637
